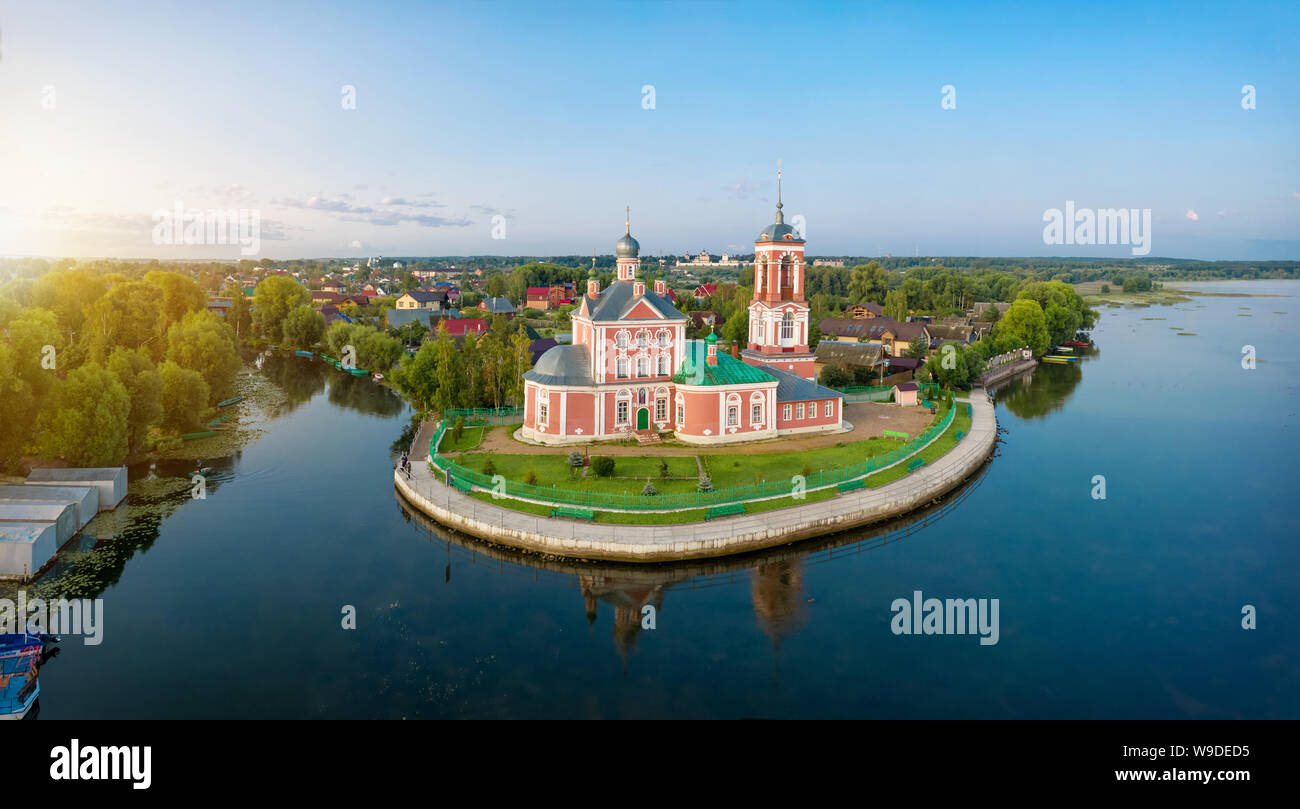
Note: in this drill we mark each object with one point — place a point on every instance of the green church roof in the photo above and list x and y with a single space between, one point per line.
729 370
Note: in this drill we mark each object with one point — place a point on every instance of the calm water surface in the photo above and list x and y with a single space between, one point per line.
1124 607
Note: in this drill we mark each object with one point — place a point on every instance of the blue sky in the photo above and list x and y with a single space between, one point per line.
534 112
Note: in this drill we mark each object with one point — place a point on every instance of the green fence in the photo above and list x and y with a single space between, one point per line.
634 502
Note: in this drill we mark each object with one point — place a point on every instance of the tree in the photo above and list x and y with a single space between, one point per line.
180 297
18 407
1105 289
836 376
496 286
918 348
521 356
603 466
992 314
38 349
896 305
303 327
273 299
201 342
67 293
128 316
1025 323
143 386
241 315
85 419
445 358
575 462
185 396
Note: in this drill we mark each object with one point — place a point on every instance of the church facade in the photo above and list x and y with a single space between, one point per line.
630 368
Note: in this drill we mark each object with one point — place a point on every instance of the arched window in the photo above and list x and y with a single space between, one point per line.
681 409
621 368
663 339
756 408
787 326
642 340
733 416
622 340
663 365
642 366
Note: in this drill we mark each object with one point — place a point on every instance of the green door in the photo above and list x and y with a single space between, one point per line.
643 419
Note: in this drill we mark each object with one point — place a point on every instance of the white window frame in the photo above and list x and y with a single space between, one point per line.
620 368
786 412
642 367
733 415
664 367
830 409
621 410
681 410
541 413
799 410
661 410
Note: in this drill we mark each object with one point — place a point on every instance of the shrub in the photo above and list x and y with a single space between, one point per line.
806 470
458 428
603 466
705 485
575 461
531 477
649 489
663 468
489 468
1105 289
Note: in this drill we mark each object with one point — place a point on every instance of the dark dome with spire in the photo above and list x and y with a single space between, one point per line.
627 247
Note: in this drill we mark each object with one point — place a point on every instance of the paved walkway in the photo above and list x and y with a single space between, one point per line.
721 537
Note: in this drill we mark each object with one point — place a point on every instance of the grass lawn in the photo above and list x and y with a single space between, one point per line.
554 470
931 453
739 470
470 438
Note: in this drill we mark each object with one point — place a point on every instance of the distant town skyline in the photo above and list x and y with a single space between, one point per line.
412 130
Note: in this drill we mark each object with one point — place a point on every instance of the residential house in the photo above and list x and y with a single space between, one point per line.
906 393
896 337
861 311
497 306
850 355
703 291
435 300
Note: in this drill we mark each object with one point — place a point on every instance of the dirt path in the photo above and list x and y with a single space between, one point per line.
869 420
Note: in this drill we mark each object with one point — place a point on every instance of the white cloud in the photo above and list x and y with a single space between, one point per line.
1192 215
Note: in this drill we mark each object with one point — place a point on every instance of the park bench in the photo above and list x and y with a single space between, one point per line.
960 433
460 483
722 511
850 485
915 463
575 513
895 434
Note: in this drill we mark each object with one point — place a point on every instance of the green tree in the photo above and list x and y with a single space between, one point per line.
18 406
273 299
918 348
185 396
85 420
446 358
128 316
201 342
240 317
67 293
38 349
1025 323
303 327
143 386
180 297
896 305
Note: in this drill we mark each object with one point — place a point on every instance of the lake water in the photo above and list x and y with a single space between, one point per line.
1129 606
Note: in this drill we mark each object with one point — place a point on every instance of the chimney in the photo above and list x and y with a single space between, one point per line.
661 288
638 288
735 350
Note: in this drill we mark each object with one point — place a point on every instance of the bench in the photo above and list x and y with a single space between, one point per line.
575 513
960 433
722 511
895 434
915 463
850 485
460 483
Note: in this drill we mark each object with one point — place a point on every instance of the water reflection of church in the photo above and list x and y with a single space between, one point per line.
776 589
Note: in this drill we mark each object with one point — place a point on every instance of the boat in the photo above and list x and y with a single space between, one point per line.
378 377
1059 359
358 372
193 436
1062 348
1078 344
229 402
202 471
20 657
304 353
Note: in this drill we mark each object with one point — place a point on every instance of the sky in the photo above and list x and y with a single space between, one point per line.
526 128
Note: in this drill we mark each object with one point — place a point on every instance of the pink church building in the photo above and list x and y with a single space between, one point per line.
631 369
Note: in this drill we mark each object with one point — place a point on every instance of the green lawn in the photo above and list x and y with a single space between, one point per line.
739 470
931 453
554 470
470 438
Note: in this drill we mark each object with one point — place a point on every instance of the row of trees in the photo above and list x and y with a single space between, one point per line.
97 365
484 371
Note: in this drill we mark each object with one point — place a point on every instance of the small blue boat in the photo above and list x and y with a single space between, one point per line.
304 353
20 657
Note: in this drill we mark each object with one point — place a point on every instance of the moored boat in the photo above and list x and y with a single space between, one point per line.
20 656
1078 344
378 377
304 353
229 402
